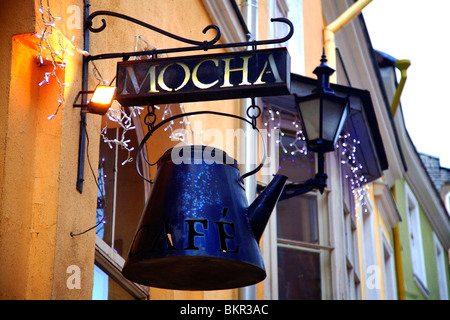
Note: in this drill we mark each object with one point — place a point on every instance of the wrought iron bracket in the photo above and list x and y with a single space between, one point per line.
296 189
319 182
83 104
196 45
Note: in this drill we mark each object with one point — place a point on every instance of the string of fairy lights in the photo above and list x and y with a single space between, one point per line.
178 134
298 145
124 119
54 51
346 146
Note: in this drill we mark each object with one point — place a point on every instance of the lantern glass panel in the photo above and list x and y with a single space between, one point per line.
333 112
341 124
310 113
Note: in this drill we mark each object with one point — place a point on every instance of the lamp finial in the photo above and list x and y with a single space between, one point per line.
323 72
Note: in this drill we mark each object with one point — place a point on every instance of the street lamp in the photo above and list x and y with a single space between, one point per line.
322 115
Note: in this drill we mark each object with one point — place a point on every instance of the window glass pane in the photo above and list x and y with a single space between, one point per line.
100 289
332 115
297 166
447 201
121 195
105 288
415 237
298 275
105 192
129 201
297 219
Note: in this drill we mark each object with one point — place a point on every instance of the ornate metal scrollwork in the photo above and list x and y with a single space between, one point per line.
196 45
89 25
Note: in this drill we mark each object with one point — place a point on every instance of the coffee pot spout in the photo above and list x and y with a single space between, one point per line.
260 210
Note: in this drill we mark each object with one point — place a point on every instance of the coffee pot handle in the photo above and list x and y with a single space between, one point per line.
187 114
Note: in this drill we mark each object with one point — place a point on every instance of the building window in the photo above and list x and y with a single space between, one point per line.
299 224
441 266
120 201
121 194
415 241
297 228
371 268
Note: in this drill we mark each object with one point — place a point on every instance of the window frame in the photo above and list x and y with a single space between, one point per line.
106 258
351 238
271 242
112 263
416 241
369 250
352 255
388 265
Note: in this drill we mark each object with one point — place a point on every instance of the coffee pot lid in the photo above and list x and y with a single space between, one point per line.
186 154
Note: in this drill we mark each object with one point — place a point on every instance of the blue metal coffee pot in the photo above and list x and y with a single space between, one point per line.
197 231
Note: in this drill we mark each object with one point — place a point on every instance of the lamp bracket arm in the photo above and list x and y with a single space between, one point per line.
196 45
296 189
82 93
293 190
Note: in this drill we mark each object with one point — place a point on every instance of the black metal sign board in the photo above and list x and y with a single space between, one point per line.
204 77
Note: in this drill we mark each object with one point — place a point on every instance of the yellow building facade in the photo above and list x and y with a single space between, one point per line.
59 242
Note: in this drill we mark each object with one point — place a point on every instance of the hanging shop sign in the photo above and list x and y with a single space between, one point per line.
222 76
